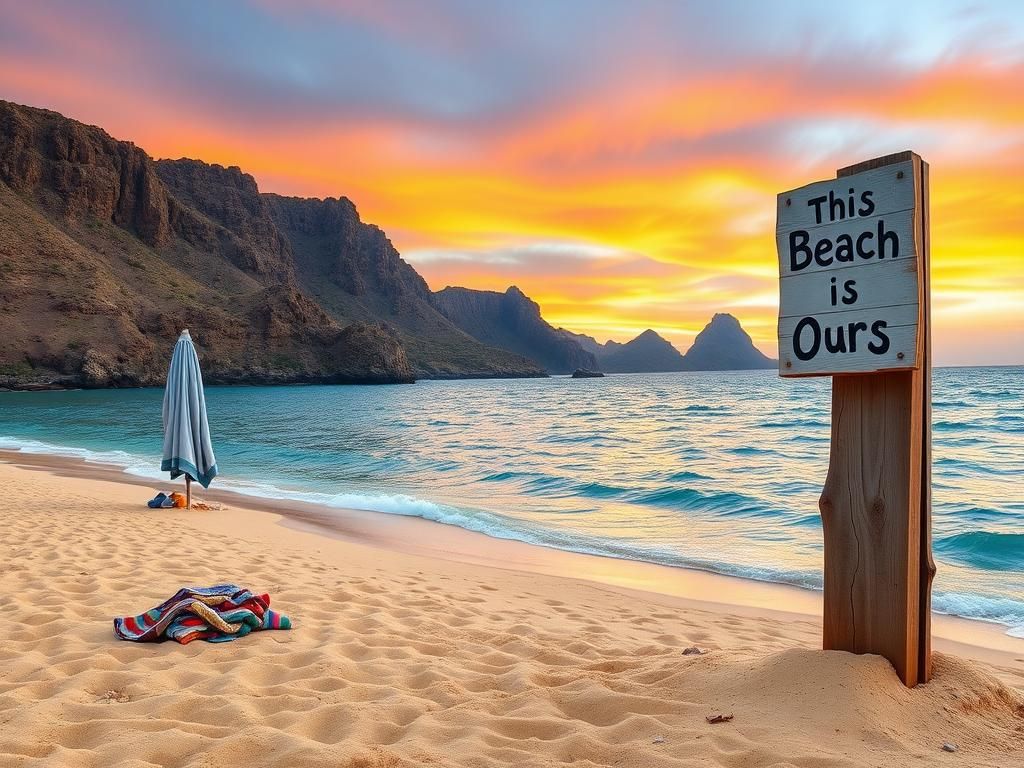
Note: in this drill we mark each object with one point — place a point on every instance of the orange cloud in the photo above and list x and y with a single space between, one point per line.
671 176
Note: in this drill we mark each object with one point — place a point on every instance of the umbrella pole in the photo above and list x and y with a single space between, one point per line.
188 491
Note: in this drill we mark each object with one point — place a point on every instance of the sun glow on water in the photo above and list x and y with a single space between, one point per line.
714 471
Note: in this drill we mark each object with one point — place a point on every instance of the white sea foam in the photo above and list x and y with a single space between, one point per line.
130 463
995 610
1007 611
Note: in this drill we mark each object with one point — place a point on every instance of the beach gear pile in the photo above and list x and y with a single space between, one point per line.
167 501
216 614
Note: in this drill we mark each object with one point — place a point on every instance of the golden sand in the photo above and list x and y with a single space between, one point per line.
403 659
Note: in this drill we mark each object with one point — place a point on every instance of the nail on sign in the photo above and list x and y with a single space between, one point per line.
849 274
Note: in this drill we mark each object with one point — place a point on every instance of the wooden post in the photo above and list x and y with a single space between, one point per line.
876 503
188 491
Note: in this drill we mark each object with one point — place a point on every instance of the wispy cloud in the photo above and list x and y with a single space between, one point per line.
618 161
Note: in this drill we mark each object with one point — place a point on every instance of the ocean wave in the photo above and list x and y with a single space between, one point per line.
750 450
682 476
504 477
140 466
807 521
960 467
993 394
963 441
1010 417
582 439
943 404
997 610
727 503
988 550
976 514
980 550
598 491
795 424
809 439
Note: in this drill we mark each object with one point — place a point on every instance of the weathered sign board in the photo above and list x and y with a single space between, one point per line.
850 274
854 304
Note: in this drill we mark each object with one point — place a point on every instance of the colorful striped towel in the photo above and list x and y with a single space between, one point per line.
217 614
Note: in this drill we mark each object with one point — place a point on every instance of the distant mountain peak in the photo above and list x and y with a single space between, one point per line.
723 345
648 352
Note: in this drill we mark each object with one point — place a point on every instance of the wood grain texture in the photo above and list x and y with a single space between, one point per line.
899 315
888 283
902 340
888 291
875 505
870 512
901 223
892 193
881 284
925 336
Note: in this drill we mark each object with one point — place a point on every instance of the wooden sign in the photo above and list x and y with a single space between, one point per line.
854 304
850 273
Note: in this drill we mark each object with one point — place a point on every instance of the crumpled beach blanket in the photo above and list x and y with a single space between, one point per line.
216 614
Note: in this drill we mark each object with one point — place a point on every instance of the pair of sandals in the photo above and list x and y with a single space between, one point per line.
161 501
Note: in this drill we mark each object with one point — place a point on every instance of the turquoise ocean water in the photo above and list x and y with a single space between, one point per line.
719 471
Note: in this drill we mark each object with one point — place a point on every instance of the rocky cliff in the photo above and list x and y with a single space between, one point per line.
512 321
354 271
106 255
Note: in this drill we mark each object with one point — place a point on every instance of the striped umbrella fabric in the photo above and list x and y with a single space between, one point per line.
187 447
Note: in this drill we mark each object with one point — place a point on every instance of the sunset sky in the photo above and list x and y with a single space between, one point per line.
618 161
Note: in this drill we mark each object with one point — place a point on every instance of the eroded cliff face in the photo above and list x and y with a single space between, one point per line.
221 210
77 171
333 244
354 271
512 321
106 255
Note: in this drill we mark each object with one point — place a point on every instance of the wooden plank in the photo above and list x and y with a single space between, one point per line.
878 162
844 244
902 341
892 192
878 284
899 316
925 334
901 224
870 516
875 505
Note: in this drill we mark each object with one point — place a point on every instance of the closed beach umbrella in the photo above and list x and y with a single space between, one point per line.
187 447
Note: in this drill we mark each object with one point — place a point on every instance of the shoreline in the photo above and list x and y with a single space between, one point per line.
973 638
402 653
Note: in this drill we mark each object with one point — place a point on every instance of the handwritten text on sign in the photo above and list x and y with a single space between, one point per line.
849 274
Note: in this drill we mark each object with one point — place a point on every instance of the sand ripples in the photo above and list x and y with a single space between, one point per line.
401 661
